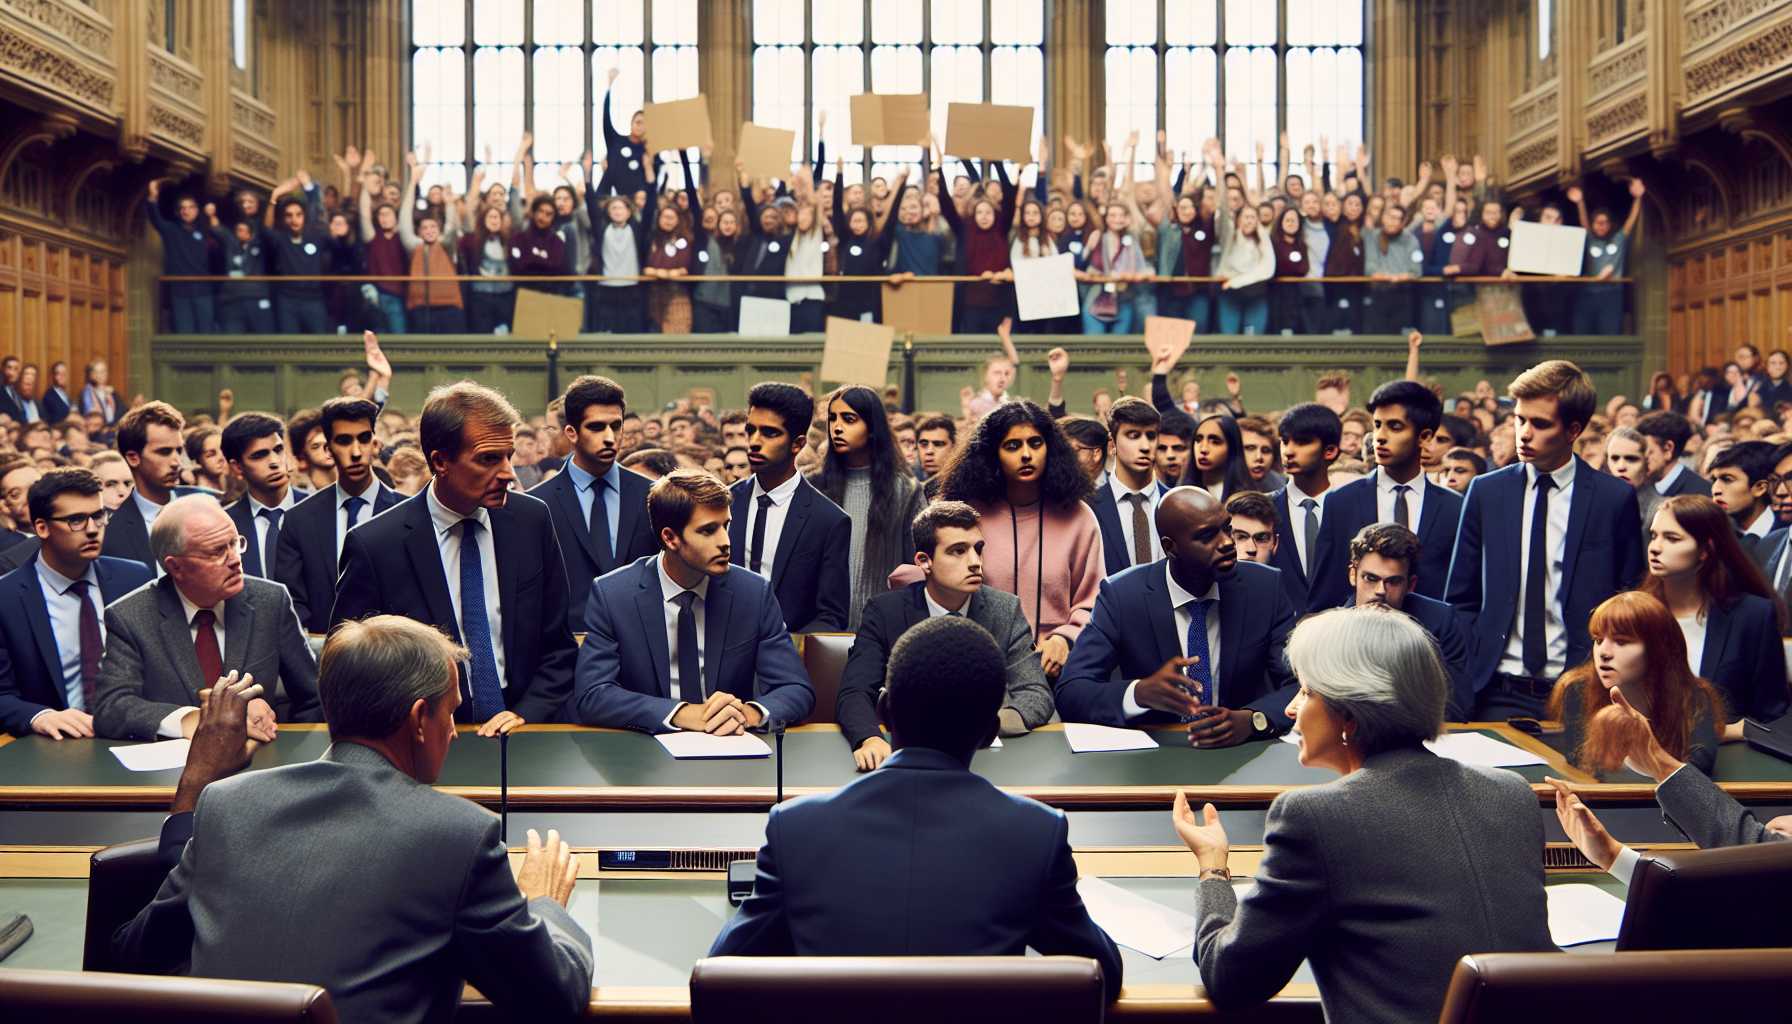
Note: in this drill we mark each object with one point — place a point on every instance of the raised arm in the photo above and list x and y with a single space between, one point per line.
1010 195
1413 340
613 139
1637 190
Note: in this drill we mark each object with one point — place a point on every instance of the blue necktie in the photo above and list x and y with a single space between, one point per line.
354 507
475 629
264 558
1202 671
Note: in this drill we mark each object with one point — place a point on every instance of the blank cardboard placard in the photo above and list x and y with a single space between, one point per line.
919 308
764 318
1500 309
857 353
678 124
1168 336
538 314
989 131
1045 288
1546 248
889 119
765 152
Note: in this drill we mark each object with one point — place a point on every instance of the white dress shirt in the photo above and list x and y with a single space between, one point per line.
150 511
1384 499
669 591
1297 520
1668 478
170 725
448 542
262 525
372 496
775 514
1762 526
1692 627
1555 633
65 624
935 609
1123 505
1183 603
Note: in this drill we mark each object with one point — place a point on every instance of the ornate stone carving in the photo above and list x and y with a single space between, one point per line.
1537 156
176 127
1709 22
1618 68
249 158
250 117
72 21
166 74
24 58
1534 112
1769 50
1618 119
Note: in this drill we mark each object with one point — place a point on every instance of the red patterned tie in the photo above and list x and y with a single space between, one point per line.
205 646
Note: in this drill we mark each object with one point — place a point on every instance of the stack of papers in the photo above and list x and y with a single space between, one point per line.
702 746
1085 738
1134 921
1580 913
1482 749
154 757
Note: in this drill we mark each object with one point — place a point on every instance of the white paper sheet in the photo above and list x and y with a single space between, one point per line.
1477 748
703 746
1134 921
1085 738
1546 248
1046 287
764 318
1580 913
995 744
154 757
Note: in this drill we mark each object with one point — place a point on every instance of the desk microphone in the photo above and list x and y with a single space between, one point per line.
504 787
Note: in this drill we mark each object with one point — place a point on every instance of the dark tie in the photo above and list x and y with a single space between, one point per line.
1141 530
755 555
266 555
205 647
1201 671
91 643
475 628
1309 527
690 674
1401 516
1536 649
354 506
600 526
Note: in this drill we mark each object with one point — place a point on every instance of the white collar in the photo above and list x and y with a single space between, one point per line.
1180 597
445 518
1763 524
61 583
1668 478
935 609
1296 496
256 508
1386 484
192 609
372 494
1121 490
780 494
669 587
1564 476
149 508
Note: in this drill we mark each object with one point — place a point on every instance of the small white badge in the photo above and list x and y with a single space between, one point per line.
681 243
310 249
627 151
774 247
1505 243
264 304
1200 236
825 247
702 257
1125 239
1076 247
515 253
1417 256
1469 238
1438 303
1449 238
197 237
671 250
855 250
1294 256
634 165
1343 303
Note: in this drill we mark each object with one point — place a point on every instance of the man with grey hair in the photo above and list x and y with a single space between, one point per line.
433 903
168 640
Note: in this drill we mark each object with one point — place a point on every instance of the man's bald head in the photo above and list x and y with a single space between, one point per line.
197 543
1197 537
1175 508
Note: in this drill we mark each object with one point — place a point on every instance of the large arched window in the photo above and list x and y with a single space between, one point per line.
1242 71
483 72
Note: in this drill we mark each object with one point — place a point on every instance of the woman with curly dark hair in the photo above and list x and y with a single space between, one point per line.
865 475
1041 542
1216 465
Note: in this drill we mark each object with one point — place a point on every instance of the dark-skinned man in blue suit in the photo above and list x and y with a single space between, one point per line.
1382 561
599 508
782 527
683 640
1542 543
52 637
1155 635
883 867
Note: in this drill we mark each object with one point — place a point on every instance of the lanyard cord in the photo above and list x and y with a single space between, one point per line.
1039 568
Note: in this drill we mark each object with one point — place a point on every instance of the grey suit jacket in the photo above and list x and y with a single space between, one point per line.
1381 881
1707 815
150 670
349 874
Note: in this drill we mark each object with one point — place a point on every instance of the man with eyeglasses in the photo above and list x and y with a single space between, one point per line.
1776 558
54 601
16 477
204 618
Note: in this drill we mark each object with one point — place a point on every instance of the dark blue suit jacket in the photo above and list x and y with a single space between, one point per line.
1744 658
634 532
54 407
810 570
1350 508
30 664
1604 555
127 535
1287 558
884 867
1687 482
625 669
1117 647
1114 552
243 515
305 554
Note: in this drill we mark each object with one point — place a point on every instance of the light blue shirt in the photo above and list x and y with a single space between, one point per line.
581 485
65 622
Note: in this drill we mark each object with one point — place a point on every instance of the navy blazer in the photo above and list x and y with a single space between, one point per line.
1114 552
884 867
634 531
54 407
810 570
1353 506
1255 619
624 669
391 564
305 553
127 535
1687 482
242 513
1604 555
30 663
1287 557
1745 659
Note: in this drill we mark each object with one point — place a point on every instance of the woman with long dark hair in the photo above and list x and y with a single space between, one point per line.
484 253
1041 542
1216 465
1640 651
865 475
1725 609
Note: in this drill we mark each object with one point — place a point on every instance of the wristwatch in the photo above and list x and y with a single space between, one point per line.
1259 724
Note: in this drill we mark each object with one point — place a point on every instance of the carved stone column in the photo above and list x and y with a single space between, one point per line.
1667 77
725 69
131 23
1395 87
1076 85
1576 35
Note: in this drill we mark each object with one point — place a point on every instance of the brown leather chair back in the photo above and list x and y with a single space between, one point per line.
121 880
79 997
1574 988
824 656
1699 899
875 990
